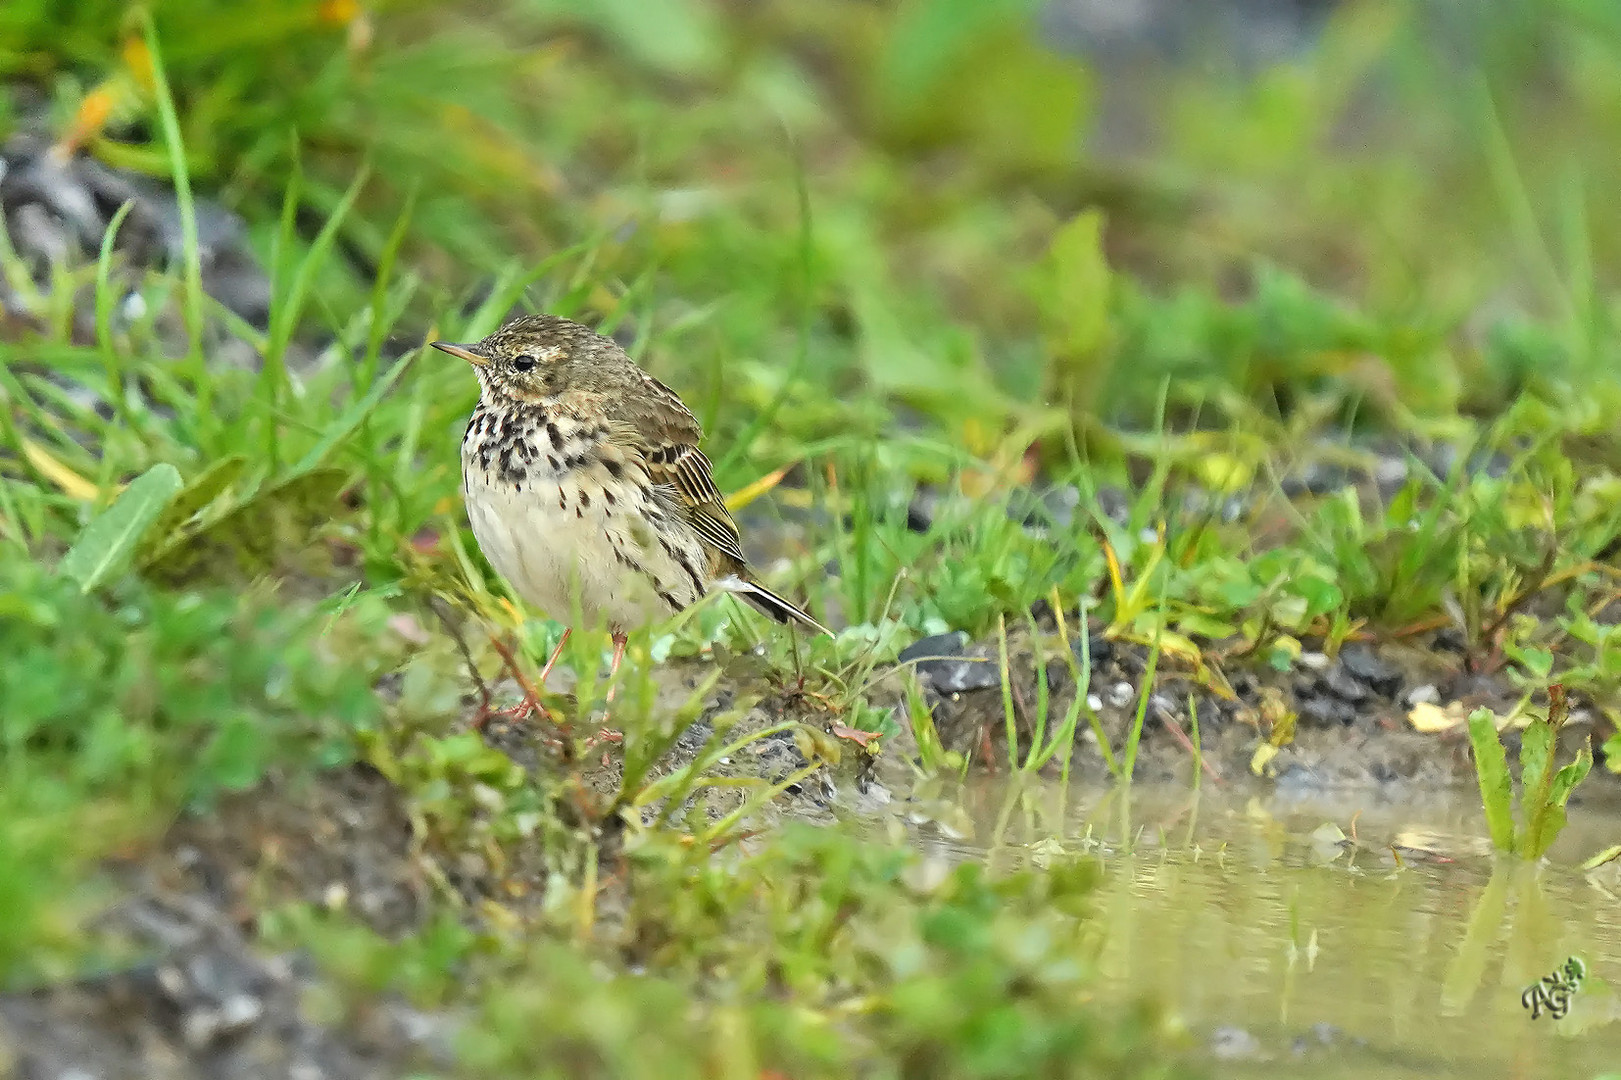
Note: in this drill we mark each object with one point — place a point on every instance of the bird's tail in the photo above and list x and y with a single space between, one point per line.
769 603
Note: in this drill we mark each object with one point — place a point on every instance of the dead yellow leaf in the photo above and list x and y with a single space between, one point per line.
1432 718
1261 761
59 474
737 500
855 735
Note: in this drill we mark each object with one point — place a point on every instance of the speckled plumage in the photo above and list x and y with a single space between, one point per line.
585 486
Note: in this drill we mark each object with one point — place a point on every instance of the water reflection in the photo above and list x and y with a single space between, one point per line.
1335 937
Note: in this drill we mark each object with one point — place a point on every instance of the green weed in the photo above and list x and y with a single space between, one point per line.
1544 790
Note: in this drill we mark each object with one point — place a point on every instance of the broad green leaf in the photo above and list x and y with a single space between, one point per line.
679 37
1536 783
108 543
1491 768
1548 821
194 498
1545 827
1565 781
271 526
1538 661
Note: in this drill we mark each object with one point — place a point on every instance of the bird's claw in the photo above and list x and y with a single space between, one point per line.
528 707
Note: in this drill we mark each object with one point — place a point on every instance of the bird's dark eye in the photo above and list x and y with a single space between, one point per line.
524 363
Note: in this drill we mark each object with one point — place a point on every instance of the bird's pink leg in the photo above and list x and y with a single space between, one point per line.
619 639
609 734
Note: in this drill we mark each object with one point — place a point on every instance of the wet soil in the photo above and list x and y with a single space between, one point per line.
204 1000
1339 723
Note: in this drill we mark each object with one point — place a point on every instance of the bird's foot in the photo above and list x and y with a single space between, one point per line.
529 706
606 735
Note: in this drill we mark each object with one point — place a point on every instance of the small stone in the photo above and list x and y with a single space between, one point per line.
1389 474
1062 500
1316 479
1121 694
1232 1043
1094 702
923 649
1326 712
1424 694
240 1011
1363 663
172 981
1340 683
1098 649
199 1028
1115 504
968 674
945 671
1314 661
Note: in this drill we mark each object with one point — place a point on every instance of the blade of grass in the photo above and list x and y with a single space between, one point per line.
192 303
111 357
1134 737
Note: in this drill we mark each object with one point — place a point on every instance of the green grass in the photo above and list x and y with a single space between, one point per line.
845 235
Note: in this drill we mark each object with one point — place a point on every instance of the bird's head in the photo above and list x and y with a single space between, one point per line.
532 359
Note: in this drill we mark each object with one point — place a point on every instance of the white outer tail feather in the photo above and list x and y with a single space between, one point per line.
769 603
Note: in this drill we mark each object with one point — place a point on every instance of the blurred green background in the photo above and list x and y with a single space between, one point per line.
1400 201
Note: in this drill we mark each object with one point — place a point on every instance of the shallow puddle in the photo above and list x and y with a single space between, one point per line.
1288 951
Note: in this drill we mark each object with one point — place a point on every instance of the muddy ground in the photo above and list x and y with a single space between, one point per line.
204 1000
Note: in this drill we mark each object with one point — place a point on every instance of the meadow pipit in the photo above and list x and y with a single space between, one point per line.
585 484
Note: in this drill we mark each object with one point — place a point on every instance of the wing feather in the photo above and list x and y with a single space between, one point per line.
666 434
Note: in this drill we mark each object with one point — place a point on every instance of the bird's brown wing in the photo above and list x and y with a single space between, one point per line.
666 433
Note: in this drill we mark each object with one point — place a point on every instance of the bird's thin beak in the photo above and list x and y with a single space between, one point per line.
464 352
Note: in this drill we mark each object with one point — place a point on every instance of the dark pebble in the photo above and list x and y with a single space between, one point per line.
1115 504
1362 663
951 644
920 513
1132 658
1100 649
1326 712
949 674
1344 686
1449 640
1316 479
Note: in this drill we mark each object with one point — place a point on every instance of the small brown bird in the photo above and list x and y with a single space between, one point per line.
584 484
